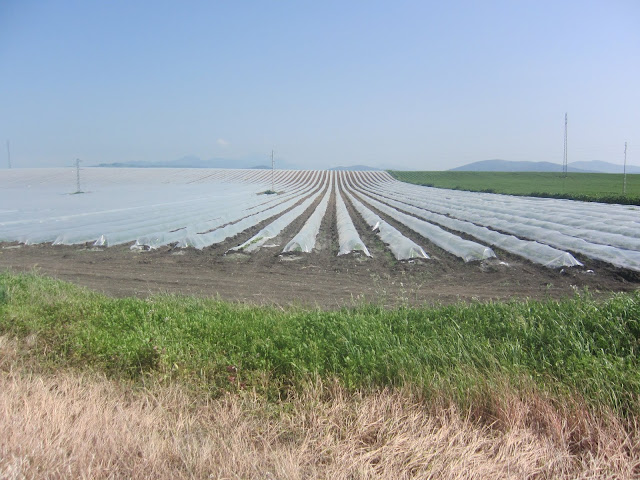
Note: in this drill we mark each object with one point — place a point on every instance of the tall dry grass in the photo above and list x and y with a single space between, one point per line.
69 425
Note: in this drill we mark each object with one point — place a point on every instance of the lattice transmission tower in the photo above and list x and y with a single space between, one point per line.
624 181
565 165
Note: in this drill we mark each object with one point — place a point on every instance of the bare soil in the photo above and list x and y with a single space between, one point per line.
319 279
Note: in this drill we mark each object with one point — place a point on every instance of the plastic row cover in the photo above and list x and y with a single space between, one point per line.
229 212
616 256
347 235
200 241
274 228
465 249
122 204
586 227
94 179
69 219
305 240
402 247
613 225
532 251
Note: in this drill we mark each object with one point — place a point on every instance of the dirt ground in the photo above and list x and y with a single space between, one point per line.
320 279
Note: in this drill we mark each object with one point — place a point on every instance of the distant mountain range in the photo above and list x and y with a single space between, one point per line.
359 168
594 166
191 161
258 162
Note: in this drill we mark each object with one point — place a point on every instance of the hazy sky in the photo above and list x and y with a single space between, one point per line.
410 85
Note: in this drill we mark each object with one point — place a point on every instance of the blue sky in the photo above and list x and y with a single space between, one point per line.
408 85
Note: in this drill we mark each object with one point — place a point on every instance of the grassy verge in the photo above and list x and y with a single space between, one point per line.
578 347
590 187
176 387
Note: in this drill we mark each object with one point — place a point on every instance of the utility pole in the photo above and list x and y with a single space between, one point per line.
624 181
565 166
8 154
78 176
272 172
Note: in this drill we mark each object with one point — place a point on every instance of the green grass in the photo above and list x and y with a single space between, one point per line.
595 187
579 346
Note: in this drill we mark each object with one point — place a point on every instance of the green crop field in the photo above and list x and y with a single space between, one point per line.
598 187
579 346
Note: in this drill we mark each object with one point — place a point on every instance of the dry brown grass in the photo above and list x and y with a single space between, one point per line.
72 426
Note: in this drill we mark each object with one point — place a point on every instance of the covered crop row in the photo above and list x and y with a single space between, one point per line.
465 249
305 239
149 208
604 232
402 247
348 236
274 228
532 251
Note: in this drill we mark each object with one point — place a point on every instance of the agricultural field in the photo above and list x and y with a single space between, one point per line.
325 238
593 187
312 325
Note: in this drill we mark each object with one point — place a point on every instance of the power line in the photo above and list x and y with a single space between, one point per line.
624 181
272 171
78 176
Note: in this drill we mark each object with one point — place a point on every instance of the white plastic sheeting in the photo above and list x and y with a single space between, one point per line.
465 249
532 251
601 226
274 228
233 211
348 237
489 210
124 232
305 240
123 205
240 213
472 208
402 247
84 218
604 218
200 241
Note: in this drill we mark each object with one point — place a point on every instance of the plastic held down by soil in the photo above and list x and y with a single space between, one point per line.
305 240
402 247
347 235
